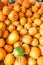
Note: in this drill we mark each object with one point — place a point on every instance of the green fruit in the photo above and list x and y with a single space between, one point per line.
18 52
11 1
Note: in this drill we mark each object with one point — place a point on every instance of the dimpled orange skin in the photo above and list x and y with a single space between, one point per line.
22 61
13 37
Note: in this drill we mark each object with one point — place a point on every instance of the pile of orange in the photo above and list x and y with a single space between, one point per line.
21 25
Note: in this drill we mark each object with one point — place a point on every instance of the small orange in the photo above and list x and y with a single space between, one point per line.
27 39
36 15
19 27
2 42
8 48
34 9
23 9
9 59
13 15
31 61
17 7
38 22
11 28
17 44
21 14
11 6
6 10
23 31
29 20
27 26
40 60
23 21
34 42
2 53
2 16
35 52
28 13
19 1
32 31
22 61
5 34
26 3
2 25
26 48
